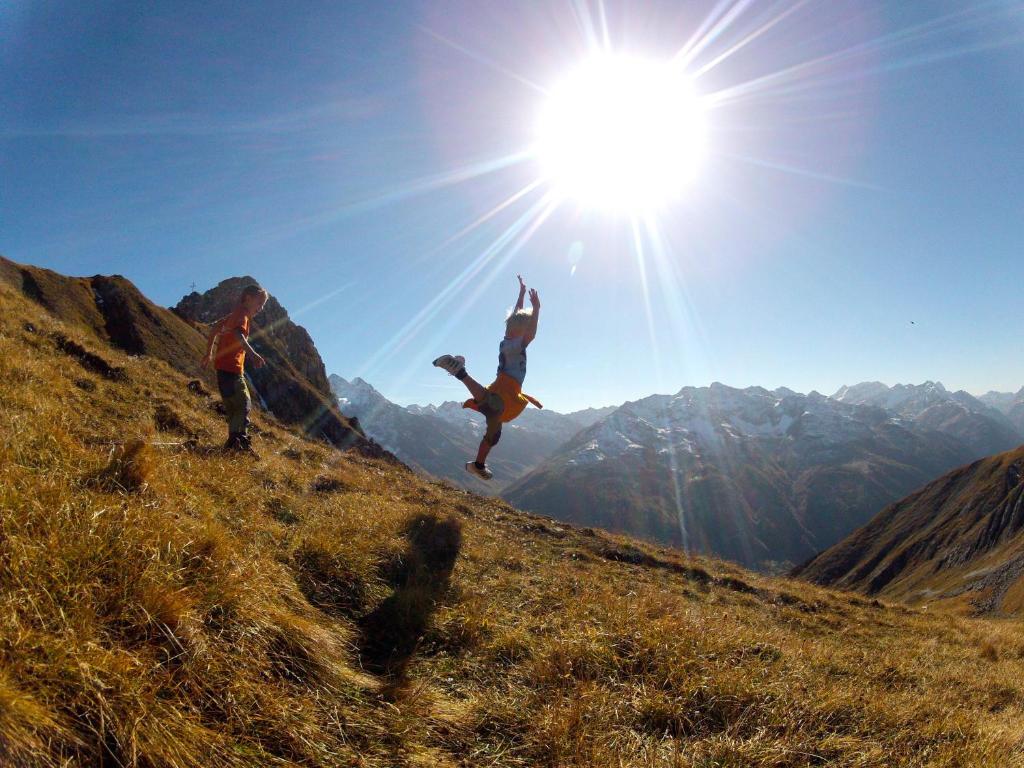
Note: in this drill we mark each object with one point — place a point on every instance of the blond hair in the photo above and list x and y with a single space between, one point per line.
518 319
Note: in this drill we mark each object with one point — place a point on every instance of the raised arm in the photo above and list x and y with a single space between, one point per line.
531 331
522 293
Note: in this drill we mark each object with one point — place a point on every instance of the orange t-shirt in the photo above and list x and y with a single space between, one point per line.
512 397
230 352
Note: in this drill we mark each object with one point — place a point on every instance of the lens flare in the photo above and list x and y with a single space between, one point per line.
622 134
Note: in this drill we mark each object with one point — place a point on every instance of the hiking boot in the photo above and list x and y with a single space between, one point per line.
473 469
240 444
245 446
453 364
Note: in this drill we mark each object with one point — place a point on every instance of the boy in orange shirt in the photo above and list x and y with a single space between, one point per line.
226 347
503 400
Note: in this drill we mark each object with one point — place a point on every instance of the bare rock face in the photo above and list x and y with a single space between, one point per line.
293 385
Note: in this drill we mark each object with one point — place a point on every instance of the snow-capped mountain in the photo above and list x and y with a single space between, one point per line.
763 478
440 439
1010 404
931 406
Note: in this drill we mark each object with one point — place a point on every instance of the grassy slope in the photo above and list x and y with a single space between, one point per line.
305 610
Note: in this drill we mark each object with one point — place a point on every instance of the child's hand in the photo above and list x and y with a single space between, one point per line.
258 360
534 298
522 285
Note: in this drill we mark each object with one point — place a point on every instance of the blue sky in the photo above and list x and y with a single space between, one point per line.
339 152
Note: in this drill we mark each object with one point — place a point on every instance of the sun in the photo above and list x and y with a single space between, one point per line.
622 134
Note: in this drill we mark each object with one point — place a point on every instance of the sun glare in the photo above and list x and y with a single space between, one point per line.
622 134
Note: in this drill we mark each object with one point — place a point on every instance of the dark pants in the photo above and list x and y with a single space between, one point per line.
237 402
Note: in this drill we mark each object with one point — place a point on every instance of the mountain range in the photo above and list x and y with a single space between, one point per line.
1010 404
763 478
986 429
438 440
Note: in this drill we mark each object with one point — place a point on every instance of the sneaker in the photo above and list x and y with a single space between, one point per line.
484 473
451 363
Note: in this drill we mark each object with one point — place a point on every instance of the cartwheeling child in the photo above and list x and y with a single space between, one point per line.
504 399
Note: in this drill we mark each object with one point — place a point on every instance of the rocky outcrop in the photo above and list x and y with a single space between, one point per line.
293 385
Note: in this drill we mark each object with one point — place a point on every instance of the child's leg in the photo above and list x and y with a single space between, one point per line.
481 454
491 437
244 408
225 386
235 396
478 392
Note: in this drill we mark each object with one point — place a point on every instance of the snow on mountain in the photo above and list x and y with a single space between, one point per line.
439 439
1010 404
931 405
357 395
761 477
1001 401
450 411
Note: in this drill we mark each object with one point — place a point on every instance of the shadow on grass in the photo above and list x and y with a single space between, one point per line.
390 634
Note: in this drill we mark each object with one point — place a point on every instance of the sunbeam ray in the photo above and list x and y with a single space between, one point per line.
585 20
684 59
483 218
764 28
603 18
641 263
686 328
400 193
458 283
480 59
683 55
639 253
794 171
801 76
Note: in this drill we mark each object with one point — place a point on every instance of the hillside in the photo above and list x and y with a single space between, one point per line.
959 539
438 440
762 478
164 605
112 310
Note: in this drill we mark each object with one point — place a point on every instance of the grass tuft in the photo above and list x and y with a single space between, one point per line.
129 468
989 651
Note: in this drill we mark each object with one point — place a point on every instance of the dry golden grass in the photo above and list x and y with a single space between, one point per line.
326 609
